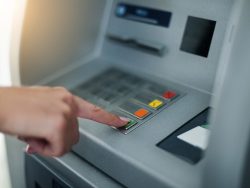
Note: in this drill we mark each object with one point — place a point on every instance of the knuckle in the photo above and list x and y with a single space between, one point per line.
59 88
60 123
64 93
94 111
67 95
66 111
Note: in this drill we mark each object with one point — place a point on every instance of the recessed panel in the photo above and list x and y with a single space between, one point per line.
186 141
198 36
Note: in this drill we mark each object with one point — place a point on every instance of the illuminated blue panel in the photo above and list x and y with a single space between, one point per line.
143 14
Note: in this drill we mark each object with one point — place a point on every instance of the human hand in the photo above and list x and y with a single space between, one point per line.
46 118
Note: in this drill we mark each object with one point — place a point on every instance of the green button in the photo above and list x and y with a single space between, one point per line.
206 126
130 124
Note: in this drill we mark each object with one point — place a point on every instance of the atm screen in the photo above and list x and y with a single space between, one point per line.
198 36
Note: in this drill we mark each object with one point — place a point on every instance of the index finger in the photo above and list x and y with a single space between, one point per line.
90 111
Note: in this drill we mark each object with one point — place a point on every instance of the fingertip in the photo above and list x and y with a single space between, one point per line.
120 122
124 119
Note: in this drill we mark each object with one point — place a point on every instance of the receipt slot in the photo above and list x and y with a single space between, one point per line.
168 67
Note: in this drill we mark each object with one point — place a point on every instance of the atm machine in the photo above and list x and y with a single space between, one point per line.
176 69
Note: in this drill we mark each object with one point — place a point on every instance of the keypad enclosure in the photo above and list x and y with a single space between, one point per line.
127 95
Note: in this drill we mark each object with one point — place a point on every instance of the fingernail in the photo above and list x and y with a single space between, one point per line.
124 119
30 150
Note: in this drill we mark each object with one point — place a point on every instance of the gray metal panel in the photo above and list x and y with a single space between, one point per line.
228 152
134 159
15 155
176 65
71 169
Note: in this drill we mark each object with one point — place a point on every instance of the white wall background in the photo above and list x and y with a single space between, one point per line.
7 11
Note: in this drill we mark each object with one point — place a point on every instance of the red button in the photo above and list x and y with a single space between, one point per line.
169 95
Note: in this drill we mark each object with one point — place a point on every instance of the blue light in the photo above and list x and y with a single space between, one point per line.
121 10
142 12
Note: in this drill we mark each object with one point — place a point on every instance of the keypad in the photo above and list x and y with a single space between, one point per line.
133 80
127 95
121 89
107 96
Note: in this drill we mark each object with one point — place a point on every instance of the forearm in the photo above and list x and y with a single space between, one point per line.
2 110
7 110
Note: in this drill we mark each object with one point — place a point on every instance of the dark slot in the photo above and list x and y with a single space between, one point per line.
57 184
144 46
37 185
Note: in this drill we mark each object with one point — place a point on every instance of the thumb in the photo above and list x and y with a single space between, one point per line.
35 146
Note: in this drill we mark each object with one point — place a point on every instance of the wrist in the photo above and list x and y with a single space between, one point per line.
2 110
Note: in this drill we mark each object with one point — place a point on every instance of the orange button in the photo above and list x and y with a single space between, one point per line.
169 95
141 113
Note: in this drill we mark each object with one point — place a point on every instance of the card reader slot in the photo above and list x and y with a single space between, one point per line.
151 47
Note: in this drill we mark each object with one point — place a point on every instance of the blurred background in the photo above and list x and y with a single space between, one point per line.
6 12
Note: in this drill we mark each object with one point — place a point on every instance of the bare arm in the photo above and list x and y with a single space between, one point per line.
46 118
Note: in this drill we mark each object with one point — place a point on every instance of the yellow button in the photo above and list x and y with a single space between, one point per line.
156 103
